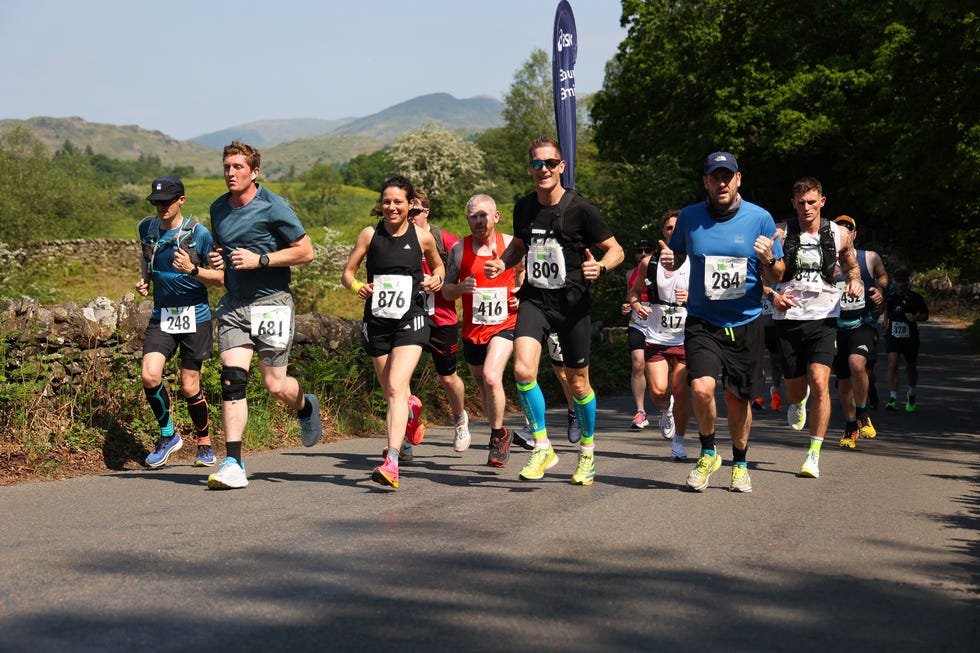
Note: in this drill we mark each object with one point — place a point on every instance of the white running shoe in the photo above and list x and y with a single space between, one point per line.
229 476
796 413
667 428
811 465
461 441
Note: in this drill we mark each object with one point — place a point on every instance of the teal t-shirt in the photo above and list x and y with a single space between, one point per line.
264 225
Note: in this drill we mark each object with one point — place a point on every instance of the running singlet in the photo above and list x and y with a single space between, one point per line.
487 311
636 322
855 310
394 266
665 325
441 310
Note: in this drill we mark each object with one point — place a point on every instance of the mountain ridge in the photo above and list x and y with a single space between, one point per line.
296 143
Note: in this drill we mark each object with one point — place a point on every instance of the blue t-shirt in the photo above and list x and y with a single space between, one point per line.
170 287
266 224
698 235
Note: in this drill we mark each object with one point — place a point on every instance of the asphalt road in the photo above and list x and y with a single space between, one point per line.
879 554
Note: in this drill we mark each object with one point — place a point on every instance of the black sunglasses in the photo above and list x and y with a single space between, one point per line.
537 164
644 250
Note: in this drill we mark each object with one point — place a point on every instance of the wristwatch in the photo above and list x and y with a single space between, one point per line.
264 261
194 272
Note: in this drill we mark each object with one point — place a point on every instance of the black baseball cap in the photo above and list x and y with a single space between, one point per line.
165 188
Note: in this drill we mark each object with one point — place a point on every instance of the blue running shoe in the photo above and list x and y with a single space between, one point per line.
205 456
311 428
574 428
165 447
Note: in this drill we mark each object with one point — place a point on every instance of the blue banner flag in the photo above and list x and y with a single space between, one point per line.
565 49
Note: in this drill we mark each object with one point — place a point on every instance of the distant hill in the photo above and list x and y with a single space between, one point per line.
125 142
304 152
266 133
285 144
471 115
474 114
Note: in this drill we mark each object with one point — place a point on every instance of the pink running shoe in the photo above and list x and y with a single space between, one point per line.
415 430
386 474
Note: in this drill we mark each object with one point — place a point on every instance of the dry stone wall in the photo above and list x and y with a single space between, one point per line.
79 342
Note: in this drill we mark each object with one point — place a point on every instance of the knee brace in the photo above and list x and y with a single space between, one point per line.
233 380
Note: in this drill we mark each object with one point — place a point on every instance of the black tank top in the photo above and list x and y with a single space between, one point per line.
400 255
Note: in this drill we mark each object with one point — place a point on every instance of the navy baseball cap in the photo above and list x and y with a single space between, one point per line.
165 188
717 160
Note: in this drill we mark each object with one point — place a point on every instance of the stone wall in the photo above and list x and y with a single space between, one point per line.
73 340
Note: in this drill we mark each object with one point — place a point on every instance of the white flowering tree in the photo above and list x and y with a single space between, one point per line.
448 168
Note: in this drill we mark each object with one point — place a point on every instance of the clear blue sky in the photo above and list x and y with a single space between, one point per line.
191 67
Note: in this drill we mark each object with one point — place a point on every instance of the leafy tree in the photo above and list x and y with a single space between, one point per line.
448 168
312 200
528 113
44 197
368 170
878 100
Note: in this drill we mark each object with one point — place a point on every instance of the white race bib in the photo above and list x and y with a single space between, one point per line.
178 319
489 305
901 330
546 264
767 307
668 320
848 303
392 295
271 324
554 347
724 277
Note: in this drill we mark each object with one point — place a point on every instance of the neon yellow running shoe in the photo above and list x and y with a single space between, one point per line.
540 460
796 413
707 465
585 472
867 428
849 441
741 482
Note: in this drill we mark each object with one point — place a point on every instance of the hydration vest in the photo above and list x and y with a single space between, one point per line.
150 241
828 250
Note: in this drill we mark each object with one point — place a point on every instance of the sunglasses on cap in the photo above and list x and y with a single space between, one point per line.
537 164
